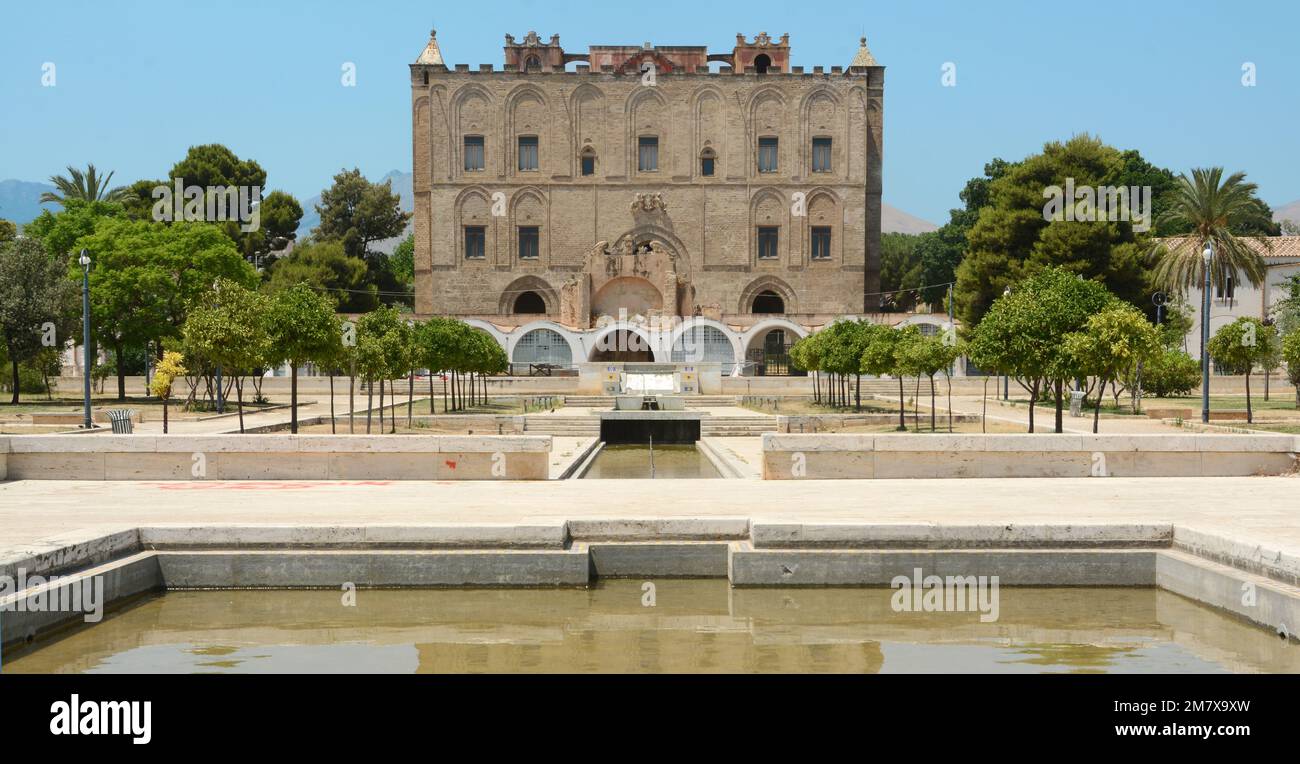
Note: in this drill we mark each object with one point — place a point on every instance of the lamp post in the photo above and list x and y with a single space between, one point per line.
84 260
221 401
1006 379
1207 257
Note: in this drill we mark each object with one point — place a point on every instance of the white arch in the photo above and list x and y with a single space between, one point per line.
924 319
575 345
488 327
763 327
737 347
593 339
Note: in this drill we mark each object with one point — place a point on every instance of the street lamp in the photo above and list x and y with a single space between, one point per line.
1207 257
1006 379
221 400
84 260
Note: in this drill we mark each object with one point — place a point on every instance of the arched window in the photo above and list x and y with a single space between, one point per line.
533 64
708 162
588 161
703 344
768 302
762 62
543 346
529 303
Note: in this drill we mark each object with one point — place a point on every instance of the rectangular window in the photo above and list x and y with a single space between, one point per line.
528 242
527 153
768 236
706 167
475 242
473 153
589 165
647 157
821 243
767 154
821 158
1228 292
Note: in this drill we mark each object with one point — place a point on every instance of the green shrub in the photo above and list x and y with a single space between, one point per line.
1171 372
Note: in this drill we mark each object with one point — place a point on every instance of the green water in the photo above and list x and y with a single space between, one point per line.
694 626
638 461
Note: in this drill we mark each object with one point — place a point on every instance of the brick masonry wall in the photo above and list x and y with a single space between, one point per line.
709 223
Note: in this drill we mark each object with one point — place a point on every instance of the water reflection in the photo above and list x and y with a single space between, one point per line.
697 626
635 461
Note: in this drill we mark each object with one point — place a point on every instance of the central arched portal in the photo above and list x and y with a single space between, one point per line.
622 346
626 296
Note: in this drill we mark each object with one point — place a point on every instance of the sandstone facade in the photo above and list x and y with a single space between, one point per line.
575 188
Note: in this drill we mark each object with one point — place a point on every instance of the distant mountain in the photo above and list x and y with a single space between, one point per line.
894 220
1288 212
20 200
401 185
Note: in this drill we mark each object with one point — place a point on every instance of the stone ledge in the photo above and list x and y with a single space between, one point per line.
933 535
233 443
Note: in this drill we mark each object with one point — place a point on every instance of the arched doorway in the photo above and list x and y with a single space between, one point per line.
762 62
768 301
542 346
768 353
622 346
529 303
704 344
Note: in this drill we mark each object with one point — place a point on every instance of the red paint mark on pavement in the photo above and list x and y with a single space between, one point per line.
450 464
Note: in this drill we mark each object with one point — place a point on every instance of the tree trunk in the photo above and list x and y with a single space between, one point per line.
352 407
1060 422
381 405
121 372
410 397
984 414
164 416
239 403
333 431
293 397
857 395
949 380
916 404
1250 416
1033 403
14 362
902 406
432 404
1096 412
932 420
370 402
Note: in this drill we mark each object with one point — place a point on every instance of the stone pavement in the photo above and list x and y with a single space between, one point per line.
1262 512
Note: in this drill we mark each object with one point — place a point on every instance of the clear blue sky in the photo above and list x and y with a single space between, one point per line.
139 82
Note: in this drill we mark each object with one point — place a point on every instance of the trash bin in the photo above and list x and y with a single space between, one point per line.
121 420
1076 403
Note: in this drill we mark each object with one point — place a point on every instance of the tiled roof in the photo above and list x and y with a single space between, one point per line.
864 57
432 55
1284 249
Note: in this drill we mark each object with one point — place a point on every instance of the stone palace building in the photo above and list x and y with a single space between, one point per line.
647 203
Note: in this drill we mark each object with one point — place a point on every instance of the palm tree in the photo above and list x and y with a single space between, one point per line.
1210 208
85 186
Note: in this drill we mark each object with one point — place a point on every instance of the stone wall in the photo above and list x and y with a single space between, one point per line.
821 457
708 223
274 457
